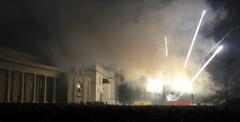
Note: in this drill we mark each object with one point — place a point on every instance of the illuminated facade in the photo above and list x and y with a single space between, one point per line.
103 84
25 80
79 88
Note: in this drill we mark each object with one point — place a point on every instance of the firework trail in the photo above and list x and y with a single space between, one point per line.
166 45
219 42
208 61
193 40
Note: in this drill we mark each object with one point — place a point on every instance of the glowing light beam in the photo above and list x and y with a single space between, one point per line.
219 42
208 61
166 45
193 40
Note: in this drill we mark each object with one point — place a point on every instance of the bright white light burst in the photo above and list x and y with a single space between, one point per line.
155 85
181 84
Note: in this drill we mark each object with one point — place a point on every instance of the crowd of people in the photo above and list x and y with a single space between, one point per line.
101 112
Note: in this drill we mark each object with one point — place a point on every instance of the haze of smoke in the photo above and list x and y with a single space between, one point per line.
129 35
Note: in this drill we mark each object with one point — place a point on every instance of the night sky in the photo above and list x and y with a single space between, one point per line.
22 29
39 27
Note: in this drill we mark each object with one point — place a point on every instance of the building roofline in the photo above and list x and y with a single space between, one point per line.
26 62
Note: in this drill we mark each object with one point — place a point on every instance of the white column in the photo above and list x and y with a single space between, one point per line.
34 88
54 90
9 86
22 87
45 90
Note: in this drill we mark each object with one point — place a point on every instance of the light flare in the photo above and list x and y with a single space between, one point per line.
182 84
155 85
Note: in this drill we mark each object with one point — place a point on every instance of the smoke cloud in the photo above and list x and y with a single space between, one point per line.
128 35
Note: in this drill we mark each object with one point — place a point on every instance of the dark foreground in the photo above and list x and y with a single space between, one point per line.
46 112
